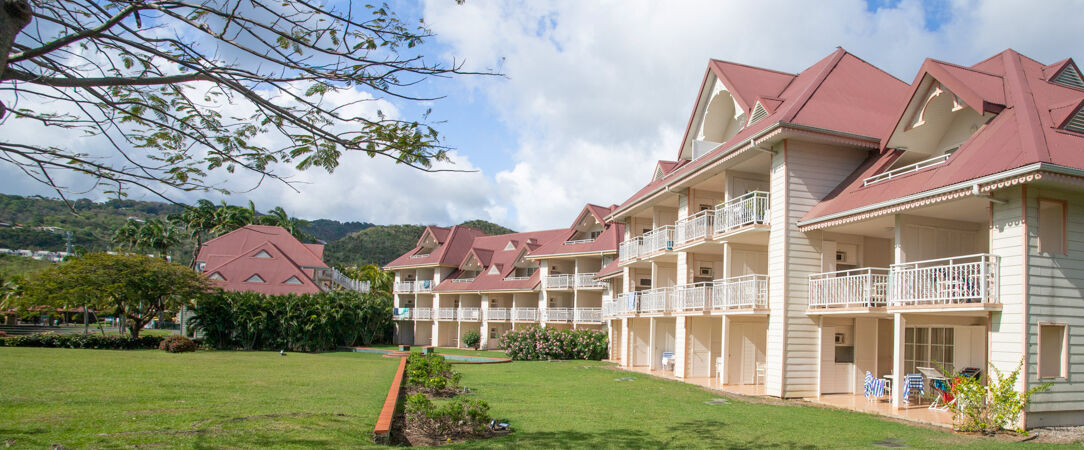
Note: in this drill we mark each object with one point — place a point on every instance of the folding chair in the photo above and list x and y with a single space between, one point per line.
913 383
667 360
941 385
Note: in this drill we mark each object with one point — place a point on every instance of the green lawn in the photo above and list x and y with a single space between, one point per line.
450 351
96 398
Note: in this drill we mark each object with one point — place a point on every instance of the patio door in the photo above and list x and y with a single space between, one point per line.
837 359
699 346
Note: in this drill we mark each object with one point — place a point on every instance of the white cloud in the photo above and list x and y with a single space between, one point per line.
597 91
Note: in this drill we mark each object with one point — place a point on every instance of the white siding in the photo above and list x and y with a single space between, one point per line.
1007 240
1056 295
812 171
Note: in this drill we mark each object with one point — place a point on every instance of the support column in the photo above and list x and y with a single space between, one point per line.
897 359
483 328
626 336
652 361
724 345
680 347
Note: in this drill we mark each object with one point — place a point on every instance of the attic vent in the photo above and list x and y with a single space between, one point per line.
262 254
217 277
1077 122
1069 77
510 246
255 278
758 113
292 280
493 270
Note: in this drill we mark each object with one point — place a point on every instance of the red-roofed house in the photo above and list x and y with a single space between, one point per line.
821 226
458 280
268 260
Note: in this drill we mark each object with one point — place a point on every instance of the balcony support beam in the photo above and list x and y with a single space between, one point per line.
900 326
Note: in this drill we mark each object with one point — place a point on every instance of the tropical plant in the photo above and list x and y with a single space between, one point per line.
278 217
136 287
153 234
432 374
991 407
544 343
53 340
380 281
455 419
198 221
176 343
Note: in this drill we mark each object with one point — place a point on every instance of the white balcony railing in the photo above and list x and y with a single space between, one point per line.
498 314
588 314
423 286
404 287
424 313
749 209
906 169
446 314
694 227
747 291
580 241
401 313
512 278
587 280
658 240
525 314
865 287
472 314
629 250
656 300
557 315
462 280
564 281
963 279
693 297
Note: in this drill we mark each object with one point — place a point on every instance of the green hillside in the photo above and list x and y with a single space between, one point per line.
382 243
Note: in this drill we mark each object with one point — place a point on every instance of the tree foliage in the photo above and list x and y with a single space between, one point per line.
178 90
135 287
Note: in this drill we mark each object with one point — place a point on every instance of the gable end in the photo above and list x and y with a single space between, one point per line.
1069 76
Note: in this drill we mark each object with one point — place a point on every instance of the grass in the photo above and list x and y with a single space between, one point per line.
102 398
99 398
450 351
579 404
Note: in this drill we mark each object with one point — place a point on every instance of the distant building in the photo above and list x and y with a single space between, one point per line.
268 260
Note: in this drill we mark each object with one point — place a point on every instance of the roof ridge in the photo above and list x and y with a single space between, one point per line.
751 66
818 81
958 66
1027 117
874 66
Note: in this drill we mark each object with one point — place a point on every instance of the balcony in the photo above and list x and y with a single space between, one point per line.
498 314
694 297
565 281
629 250
694 228
748 210
857 288
588 315
658 240
404 287
587 280
744 292
469 314
557 315
423 313
423 286
525 314
658 300
400 313
946 281
446 313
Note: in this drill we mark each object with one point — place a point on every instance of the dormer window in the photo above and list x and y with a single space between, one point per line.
511 246
292 280
1076 122
1069 76
262 254
216 276
255 278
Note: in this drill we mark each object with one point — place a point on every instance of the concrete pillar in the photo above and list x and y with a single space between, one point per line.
483 329
652 361
680 348
724 345
897 360
626 336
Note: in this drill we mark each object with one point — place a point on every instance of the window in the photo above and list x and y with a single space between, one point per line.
255 278
928 347
262 254
217 276
1053 354
1052 226
292 280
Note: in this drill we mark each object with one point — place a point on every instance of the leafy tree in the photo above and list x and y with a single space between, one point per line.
380 282
278 217
154 234
198 221
135 287
154 78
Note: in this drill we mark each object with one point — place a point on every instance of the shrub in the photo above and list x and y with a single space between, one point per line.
992 407
96 341
176 343
472 339
542 343
3 334
432 374
456 419
307 322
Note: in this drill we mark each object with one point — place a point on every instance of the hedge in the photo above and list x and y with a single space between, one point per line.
544 343
97 341
307 322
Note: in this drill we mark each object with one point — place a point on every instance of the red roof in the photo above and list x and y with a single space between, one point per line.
608 241
453 245
263 259
841 92
1025 131
503 259
612 268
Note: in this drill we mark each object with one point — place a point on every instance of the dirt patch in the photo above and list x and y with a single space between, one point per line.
405 435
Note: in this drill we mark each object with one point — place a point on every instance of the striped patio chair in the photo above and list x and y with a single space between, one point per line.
913 383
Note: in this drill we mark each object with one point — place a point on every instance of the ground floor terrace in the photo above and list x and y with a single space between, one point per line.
853 351
450 333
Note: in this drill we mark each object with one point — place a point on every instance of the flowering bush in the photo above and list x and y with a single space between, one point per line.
542 343
176 343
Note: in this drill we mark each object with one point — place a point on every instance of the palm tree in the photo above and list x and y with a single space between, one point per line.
199 221
380 282
228 218
278 217
127 236
159 235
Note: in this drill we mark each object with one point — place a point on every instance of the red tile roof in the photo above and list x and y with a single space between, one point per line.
503 259
613 268
608 241
841 93
454 243
1025 131
233 257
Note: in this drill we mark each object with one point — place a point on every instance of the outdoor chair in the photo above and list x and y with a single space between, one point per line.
761 373
667 360
719 367
913 383
941 385
875 388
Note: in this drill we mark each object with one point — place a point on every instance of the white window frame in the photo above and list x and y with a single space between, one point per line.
1063 358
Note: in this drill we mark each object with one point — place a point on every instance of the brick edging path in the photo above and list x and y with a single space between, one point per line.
382 431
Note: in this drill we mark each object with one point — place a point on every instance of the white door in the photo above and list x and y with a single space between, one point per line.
699 332
835 373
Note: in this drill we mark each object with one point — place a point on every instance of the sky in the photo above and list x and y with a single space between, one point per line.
593 93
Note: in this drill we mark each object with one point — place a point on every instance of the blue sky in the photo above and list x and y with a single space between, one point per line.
595 92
